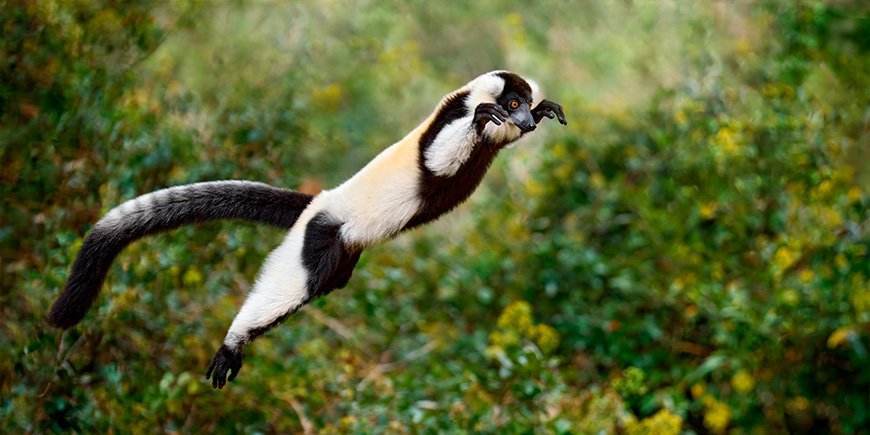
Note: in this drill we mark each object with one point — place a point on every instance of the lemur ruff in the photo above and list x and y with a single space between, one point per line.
426 174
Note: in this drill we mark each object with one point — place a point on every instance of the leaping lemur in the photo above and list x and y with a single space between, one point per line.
426 174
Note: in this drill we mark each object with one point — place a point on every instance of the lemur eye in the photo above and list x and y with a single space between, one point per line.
530 105
514 104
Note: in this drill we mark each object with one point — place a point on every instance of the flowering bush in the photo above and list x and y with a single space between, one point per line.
689 255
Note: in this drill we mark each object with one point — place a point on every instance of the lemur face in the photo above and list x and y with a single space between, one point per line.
516 98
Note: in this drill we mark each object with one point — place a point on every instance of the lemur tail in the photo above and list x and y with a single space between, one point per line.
165 210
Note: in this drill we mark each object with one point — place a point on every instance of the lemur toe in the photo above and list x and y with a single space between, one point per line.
226 361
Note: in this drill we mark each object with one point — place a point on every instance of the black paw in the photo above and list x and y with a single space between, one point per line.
550 110
224 360
488 112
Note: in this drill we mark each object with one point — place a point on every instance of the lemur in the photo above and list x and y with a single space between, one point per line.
429 172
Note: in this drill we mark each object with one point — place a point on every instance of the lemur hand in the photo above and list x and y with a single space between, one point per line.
488 112
550 110
224 360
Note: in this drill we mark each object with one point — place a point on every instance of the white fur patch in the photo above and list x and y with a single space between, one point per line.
280 288
506 132
454 143
281 285
484 89
381 198
146 205
451 147
537 95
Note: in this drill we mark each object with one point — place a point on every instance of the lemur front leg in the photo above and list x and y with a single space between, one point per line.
550 110
488 112
304 267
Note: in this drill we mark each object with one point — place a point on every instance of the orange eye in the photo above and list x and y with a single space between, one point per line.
514 104
530 105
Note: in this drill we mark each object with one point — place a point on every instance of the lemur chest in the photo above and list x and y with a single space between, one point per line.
439 194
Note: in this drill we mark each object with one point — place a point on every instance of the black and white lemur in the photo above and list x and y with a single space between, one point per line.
426 174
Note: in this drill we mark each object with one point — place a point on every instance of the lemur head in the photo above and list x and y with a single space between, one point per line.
516 98
514 94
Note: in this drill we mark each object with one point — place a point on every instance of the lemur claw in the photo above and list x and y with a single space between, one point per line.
489 112
224 361
550 110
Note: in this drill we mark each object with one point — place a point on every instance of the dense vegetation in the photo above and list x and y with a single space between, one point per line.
689 254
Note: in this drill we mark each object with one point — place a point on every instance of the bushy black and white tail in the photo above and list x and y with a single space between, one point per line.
161 211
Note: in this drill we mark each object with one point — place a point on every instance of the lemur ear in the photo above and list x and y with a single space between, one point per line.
537 95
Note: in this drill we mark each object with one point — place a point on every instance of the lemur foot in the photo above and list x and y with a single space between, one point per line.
489 112
225 359
550 110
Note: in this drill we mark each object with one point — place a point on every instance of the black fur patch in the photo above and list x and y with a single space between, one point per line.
327 260
225 362
256 332
250 201
514 88
452 109
199 202
440 194
515 83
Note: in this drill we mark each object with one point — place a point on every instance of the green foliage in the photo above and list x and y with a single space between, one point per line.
690 254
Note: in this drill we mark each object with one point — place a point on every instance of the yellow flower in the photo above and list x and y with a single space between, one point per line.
545 337
840 336
517 316
799 404
743 46
791 297
718 271
327 97
504 339
841 261
192 277
663 422
742 382
785 257
831 217
515 327
854 195
597 180
806 275
825 188
708 210
534 188
861 299
726 142
717 415
348 420
698 390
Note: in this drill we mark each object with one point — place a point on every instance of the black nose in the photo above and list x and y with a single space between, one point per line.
528 127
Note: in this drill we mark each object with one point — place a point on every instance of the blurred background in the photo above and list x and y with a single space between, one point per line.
689 254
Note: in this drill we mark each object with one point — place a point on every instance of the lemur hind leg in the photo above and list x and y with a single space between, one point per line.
301 273
328 261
